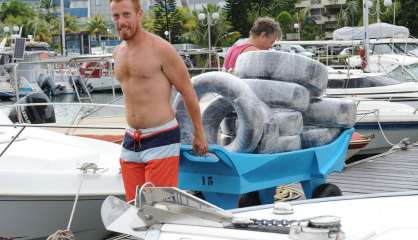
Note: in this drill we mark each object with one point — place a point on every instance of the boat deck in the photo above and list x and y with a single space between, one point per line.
392 171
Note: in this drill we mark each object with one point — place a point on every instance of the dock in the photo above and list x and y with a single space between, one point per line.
393 171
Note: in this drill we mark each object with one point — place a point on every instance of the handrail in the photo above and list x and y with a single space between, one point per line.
43 125
74 104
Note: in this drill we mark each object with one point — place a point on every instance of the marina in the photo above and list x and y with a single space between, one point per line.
314 137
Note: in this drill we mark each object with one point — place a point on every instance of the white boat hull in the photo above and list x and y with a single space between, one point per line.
42 171
394 132
37 217
393 120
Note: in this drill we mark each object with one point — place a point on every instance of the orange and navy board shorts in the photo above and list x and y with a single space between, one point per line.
150 155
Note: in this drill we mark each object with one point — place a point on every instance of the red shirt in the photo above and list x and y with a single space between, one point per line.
233 53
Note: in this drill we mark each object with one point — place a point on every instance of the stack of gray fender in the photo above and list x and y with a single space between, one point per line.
322 117
276 95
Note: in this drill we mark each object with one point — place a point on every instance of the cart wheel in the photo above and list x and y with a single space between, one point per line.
199 195
249 199
327 190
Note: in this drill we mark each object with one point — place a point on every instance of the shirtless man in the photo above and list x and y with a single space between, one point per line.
147 68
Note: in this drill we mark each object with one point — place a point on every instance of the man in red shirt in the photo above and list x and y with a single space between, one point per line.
263 34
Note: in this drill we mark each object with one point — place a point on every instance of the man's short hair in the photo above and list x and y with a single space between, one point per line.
267 25
136 3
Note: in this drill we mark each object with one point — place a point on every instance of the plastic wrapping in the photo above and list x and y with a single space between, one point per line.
280 144
290 121
280 94
376 30
245 102
331 112
213 115
282 66
313 136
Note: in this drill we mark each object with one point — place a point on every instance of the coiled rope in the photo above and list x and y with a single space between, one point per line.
287 193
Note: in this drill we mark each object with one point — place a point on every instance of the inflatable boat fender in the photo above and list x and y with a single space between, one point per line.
331 112
290 121
280 94
283 66
245 103
313 136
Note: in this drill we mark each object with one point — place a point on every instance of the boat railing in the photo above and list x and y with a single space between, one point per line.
82 111
56 67
201 60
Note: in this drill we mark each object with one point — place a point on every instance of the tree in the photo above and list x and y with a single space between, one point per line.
167 18
351 15
15 8
408 15
97 26
236 15
221 34
16 13
285 21
301 17
242 21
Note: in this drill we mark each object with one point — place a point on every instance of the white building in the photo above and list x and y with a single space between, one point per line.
102 6
324 12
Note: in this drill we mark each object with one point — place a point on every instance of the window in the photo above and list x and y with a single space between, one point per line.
363 82
413 68
382 49
407 47
400 74
335 83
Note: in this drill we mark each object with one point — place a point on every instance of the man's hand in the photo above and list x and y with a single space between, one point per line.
200 144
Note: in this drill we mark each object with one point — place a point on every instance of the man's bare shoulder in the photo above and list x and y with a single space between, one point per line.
161 45
118 48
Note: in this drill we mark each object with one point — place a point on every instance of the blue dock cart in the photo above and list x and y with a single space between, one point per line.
224 176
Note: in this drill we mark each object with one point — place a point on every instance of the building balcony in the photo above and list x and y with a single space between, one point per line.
330 3
329 35
319 19
303 4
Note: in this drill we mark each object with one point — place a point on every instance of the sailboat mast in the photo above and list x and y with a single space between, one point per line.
62 28
366 28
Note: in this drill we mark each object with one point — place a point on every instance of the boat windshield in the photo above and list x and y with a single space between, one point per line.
397 48
413 68
408 48
409 73
363 82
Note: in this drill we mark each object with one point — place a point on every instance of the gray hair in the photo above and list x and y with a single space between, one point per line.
267 25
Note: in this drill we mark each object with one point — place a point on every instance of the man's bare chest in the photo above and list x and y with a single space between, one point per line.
130 65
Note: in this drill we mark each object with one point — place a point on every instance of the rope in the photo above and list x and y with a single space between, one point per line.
287 193
67 234
62 235
381 129
376 113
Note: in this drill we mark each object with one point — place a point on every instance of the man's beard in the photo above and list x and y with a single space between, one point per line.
127 35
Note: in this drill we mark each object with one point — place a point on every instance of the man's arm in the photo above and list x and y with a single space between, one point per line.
176 72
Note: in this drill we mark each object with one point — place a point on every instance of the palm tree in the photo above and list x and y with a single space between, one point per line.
97 26
351 14
300 17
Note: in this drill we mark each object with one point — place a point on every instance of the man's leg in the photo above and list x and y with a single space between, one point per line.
133 174
163 172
